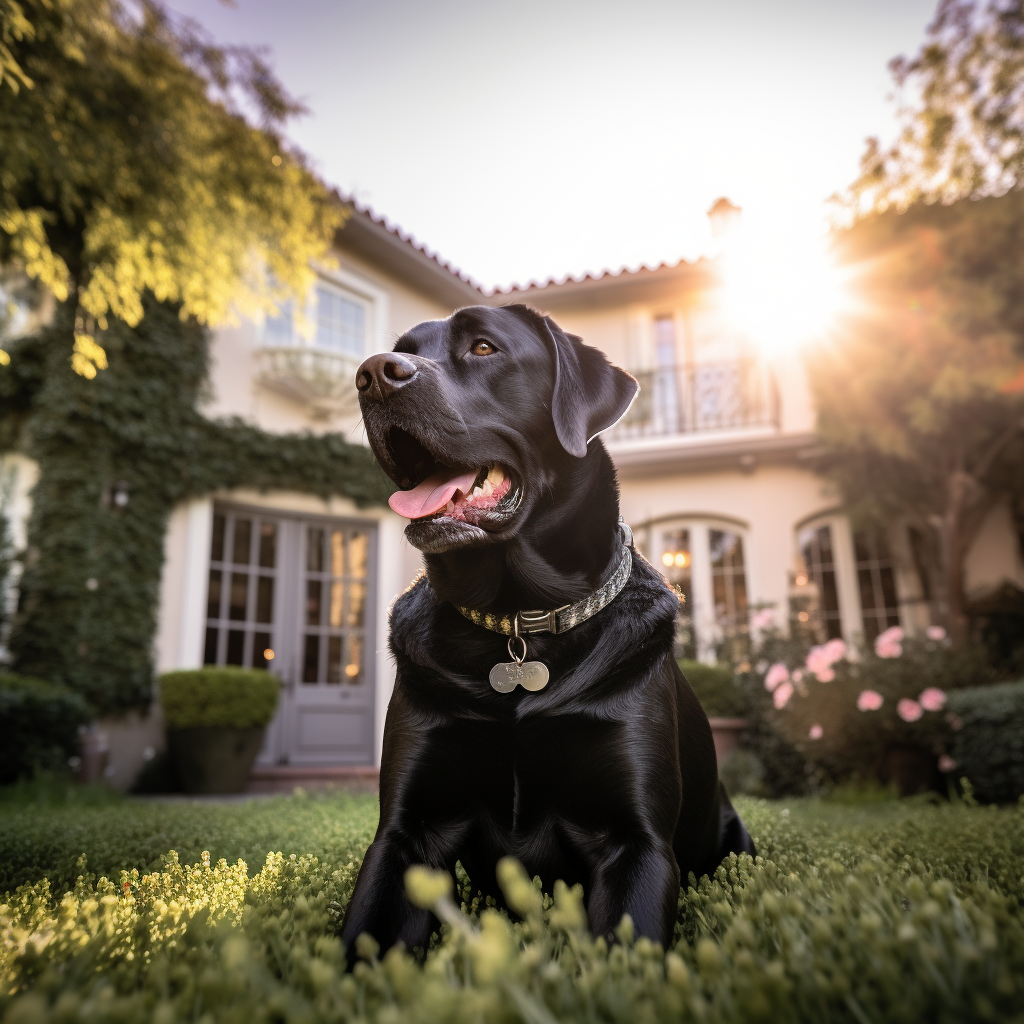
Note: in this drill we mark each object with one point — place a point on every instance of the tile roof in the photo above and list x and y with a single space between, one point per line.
608 276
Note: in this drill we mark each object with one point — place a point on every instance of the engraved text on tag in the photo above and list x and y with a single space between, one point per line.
531 675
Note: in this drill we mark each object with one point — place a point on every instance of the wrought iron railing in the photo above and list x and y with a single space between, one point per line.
689 398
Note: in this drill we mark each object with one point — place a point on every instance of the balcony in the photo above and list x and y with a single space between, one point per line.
317 377
701 398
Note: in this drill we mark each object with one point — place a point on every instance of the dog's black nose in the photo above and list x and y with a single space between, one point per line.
383 374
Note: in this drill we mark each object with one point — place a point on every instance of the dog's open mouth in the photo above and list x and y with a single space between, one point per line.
482 496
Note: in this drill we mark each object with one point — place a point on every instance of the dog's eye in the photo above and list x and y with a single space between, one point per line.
482 348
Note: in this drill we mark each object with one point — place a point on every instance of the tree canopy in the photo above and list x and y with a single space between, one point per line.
962 116
129 166
921 398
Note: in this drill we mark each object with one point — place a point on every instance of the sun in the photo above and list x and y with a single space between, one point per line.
783 291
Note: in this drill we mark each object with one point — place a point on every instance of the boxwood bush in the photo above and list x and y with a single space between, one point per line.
907 912
38 726
989 739
718 694
240 698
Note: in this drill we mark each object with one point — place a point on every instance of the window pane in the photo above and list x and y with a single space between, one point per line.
315 549
311 658
334 659
210 650
337 595
243 538
340 322
356 605
313 592
729 590
239 588
278 330
268 545
236 647
265 599
217 540
337 553
213 595
358 544
677 567
354 663
262 654
876 584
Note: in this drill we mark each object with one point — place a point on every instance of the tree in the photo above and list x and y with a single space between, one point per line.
962 132
127 166
921 397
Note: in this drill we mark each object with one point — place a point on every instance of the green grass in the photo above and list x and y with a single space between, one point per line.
871 912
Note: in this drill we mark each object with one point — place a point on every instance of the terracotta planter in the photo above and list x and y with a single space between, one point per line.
214 760
726 733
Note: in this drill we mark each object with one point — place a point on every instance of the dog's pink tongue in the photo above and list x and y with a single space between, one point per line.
432 495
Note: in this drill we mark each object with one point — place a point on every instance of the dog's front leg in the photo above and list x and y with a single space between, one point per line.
379 905
638 876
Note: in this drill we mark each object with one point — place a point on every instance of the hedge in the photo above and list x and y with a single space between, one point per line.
38 726
989 739
715 689
240 698
894 912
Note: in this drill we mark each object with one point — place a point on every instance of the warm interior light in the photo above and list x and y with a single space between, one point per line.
268 655
676 559
801 580
682 559
667 558
803 616
352 670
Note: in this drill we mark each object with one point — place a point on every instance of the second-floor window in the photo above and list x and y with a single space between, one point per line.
338 320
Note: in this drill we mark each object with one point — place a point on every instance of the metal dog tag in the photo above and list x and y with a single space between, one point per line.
531 675
507 675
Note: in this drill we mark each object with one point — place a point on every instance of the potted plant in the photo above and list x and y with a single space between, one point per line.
216 718
722 700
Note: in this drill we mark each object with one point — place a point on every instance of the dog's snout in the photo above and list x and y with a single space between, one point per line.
383 374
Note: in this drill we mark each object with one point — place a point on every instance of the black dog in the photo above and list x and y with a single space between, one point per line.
607 776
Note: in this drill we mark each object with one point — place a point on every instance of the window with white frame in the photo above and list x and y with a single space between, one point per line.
876 584
705 562
338 317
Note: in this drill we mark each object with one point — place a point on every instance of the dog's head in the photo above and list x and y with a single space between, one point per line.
472 417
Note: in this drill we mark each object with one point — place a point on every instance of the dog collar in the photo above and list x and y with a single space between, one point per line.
557 620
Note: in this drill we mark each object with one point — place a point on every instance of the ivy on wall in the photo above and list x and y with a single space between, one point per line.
115 455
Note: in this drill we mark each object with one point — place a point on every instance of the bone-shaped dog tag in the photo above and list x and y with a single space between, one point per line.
531 675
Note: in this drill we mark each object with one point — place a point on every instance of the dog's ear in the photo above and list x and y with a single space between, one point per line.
590 395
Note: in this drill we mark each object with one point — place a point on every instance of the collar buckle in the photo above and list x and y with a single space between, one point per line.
539 621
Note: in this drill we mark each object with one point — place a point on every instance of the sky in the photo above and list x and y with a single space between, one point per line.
527 140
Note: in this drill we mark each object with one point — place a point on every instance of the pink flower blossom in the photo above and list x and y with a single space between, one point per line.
826 675
835 650
869 700
816 732
782 694
932 699
763 619
935 633
798 674
778 673
820 659
889 643
946 763
909 710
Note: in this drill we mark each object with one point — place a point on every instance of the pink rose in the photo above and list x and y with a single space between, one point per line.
763 619
816 732
909 710
835 650
935 633
778 673
869 700
932 699
826 675
889 643
782 694
946 763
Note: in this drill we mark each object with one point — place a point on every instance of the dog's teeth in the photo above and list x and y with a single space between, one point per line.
486 488
477 491
495 475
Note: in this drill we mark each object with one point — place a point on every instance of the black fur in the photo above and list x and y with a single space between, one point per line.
608 776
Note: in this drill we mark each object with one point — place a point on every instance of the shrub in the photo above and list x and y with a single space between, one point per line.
240 698
718 694
38 726
989 740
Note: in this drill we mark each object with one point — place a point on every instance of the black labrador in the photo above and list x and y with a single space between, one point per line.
487 422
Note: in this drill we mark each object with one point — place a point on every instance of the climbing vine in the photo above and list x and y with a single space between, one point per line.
115 455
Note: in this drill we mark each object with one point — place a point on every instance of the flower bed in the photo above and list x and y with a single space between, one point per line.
889 912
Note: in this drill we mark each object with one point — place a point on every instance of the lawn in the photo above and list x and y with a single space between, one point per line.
887 911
